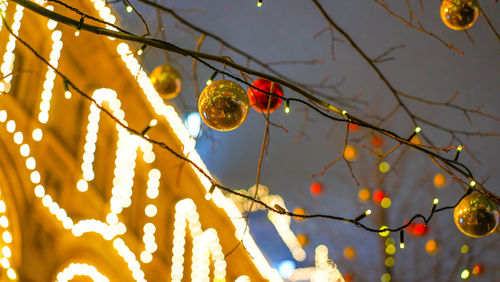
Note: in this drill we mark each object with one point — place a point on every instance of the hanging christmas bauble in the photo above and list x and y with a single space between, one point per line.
223 105
476 215
459 14
260 100
316 188
167 81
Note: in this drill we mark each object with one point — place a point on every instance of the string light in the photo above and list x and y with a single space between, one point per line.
79 26
151 124
464 274
363 215
287 106
434 205
67 93
401 239
141 50
212 77
208 196
129 9
457 154
280 209
259 3
9 57
50 75
84 269
417 130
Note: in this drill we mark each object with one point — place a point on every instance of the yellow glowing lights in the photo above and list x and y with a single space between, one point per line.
389 262
386 202
390 249
386 277
384 233
464 249
464 274
259 3
7 239
384 167
80 269
8 64
436 201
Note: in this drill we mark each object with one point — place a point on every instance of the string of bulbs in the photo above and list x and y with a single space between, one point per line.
276 208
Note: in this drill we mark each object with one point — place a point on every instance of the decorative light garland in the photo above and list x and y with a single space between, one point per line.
8 64
82 269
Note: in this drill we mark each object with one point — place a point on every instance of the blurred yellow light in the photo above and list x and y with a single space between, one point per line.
386 277
383 233
389 262
386 202
465 274
390 250
464 249
384 167
389 241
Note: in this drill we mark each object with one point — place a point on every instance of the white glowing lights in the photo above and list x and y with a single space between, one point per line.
50 75
129 257
9 57
83 269
204 244
6 241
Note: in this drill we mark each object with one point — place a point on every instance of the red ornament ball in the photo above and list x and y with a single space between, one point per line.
316 188
259 100
378 196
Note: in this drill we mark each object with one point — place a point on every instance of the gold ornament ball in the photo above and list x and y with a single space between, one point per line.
223 105
167 81
476 216
459 14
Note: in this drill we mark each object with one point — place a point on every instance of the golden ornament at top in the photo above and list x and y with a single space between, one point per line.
223 105
459 14
167 81
476 215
